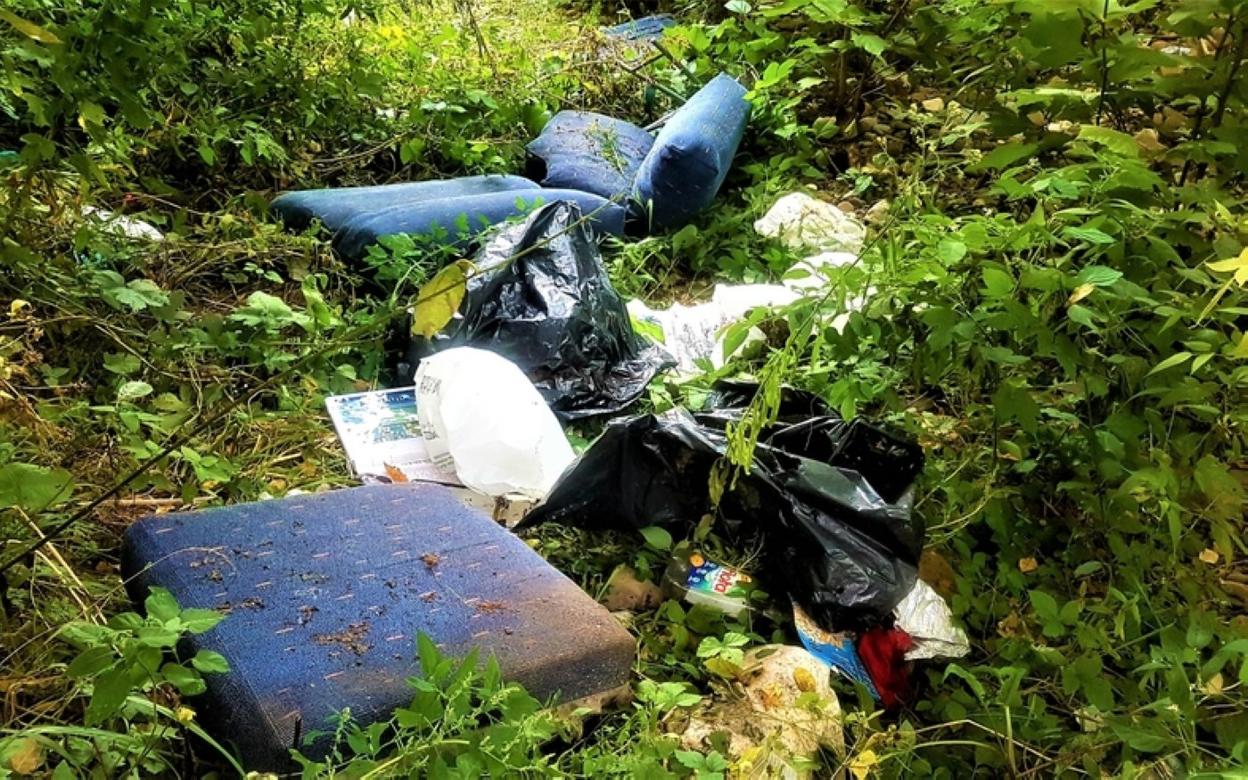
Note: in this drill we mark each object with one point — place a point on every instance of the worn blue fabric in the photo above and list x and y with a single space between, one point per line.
456 221
646 28
334 206
581 150
692 153
326 593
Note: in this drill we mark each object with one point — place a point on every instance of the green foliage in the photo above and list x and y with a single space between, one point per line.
126 668
1057 313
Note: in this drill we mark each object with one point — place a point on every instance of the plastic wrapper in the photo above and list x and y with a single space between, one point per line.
540 297
925 616
829 498
481 418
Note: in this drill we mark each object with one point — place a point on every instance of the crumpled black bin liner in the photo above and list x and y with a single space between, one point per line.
830 498
553 312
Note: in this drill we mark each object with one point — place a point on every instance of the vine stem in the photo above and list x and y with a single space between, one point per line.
1100 103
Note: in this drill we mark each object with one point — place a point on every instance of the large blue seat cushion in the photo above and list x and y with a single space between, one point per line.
692 153
457 221
334 206
326 594
581 150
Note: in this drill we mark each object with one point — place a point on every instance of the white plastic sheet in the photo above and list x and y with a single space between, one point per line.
925 616
801 221
482 418
121 226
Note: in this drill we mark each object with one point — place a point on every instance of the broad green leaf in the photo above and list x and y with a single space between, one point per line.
28 28
1113 140
1176 359
997 283
108 694
91 662
197 621
210 661
439 299
950 250
33 488
187 681
1098 276
161 605
871 44
1004 156
657 537
1090 235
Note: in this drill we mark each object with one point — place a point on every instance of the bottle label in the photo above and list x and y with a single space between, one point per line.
713 579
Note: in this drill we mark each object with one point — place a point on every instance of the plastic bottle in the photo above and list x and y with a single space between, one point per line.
700 581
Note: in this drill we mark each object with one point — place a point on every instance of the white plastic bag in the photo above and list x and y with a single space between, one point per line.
482 418
804 222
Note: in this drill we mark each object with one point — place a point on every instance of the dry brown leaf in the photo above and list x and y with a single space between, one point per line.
395 474
1027 565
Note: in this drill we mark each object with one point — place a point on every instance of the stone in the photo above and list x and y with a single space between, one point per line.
627 593
785 712
801 221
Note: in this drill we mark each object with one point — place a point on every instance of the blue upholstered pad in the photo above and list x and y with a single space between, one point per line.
692 153
333 207
456 221
327 592
582 150
646 28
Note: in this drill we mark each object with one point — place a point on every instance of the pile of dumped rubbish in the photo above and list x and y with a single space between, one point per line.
328 591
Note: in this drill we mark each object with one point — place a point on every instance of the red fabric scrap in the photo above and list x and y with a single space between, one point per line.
883 653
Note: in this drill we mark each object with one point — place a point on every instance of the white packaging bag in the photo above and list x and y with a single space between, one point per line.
482 418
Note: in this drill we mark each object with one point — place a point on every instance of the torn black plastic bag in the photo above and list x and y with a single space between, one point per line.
846 554
542 299
805 424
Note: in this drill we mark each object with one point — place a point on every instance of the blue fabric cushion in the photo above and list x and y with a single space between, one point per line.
646 28
691 155
334 206
456 221
581 150
327 592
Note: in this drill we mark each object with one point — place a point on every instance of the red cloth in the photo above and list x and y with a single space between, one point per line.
883 652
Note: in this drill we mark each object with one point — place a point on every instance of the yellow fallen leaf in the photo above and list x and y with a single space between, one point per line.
934 104
16 308
804 680
1213 686
862 764
439 299
1209 556
185 714
27 757
1027 565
